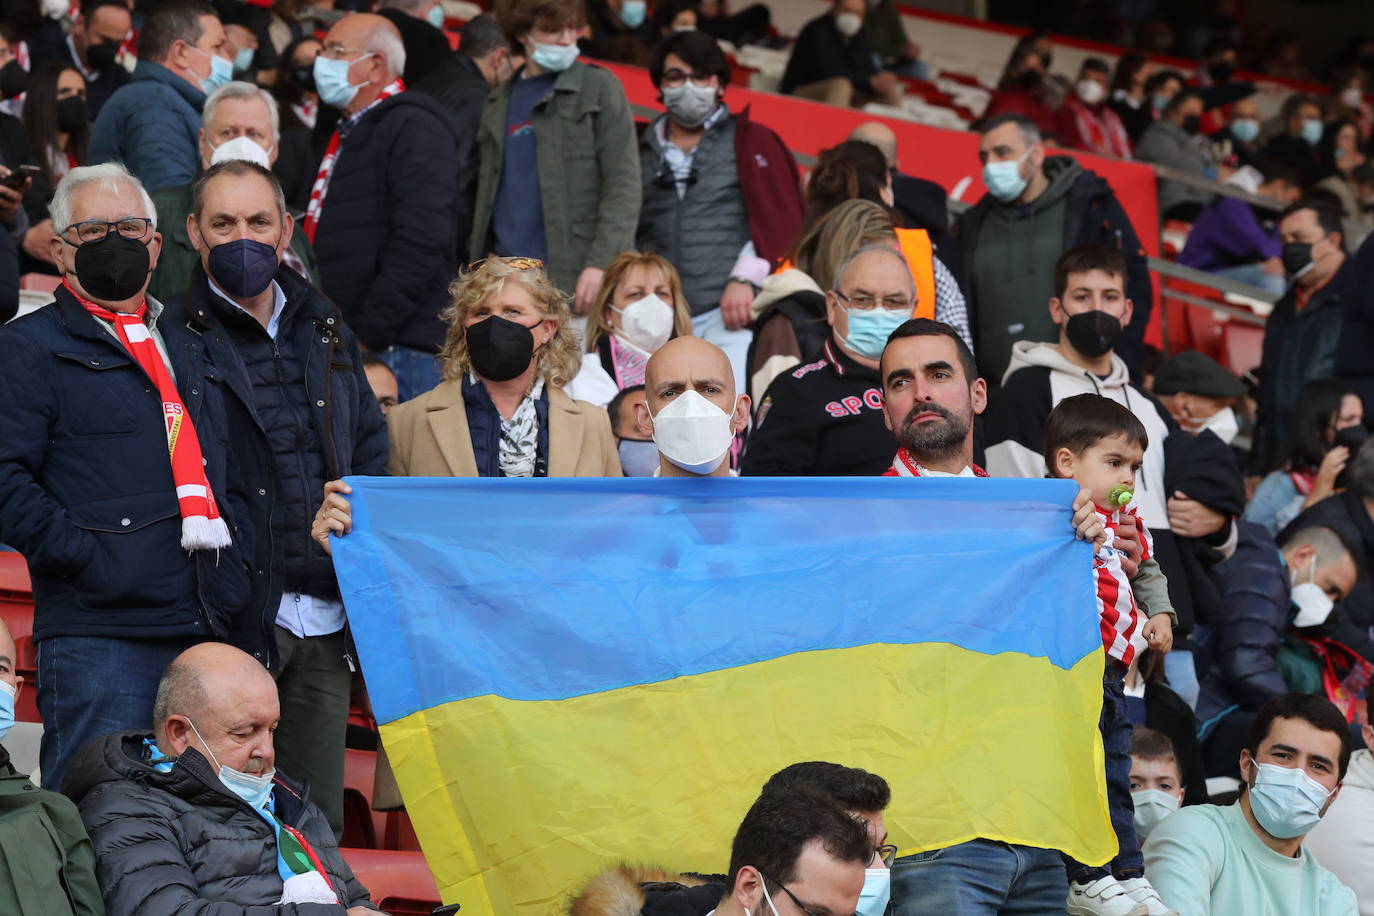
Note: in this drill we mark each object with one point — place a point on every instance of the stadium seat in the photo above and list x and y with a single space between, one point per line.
40 283
363 827
1241 346
400 883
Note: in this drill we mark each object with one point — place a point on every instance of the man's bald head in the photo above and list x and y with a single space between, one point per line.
222 702
881 136
9 657
200 674
690 364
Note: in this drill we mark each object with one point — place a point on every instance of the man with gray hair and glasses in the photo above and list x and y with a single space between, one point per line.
240 121
113 473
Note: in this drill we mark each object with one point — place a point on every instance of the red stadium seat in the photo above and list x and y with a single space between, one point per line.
42 283
1241 346
400 882
363 827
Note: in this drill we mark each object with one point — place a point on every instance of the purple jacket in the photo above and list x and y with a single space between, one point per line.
1227 234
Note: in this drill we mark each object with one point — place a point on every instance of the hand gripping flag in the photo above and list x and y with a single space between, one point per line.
570 673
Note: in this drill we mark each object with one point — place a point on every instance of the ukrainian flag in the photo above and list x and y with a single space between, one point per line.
575 672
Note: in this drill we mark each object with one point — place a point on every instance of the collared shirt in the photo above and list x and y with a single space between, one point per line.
81 68
278 305
675 157
150 319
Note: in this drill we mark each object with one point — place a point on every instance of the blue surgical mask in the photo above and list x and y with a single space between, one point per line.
331 81
1286 801
1312 131
1160 102
1003 179
435 16
638 457
554 58
1245 129
868 331
632 13
255 790
244 59
221 72
7 693
877 892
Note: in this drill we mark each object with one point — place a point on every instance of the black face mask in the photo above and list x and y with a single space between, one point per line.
1220 73
1297 258
1352 437
304 77
102 56
13 80
1192 124
1047 60
114 268
500 349
72 114
1094 333
1030 79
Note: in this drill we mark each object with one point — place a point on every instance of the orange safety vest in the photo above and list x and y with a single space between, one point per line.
916 247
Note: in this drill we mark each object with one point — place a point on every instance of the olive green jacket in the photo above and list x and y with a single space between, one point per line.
47 863
588 170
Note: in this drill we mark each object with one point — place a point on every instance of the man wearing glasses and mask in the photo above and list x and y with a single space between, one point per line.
112 473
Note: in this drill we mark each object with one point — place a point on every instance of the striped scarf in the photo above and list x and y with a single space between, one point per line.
331 155
201 525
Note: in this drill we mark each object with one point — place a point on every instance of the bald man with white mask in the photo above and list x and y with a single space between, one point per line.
194 815
691 410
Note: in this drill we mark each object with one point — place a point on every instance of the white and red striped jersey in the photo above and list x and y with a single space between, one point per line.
1117 614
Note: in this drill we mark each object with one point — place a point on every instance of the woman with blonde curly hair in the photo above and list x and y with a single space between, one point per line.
639 308
501 410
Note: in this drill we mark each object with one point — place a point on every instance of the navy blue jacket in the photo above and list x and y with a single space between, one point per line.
86 488
152 126
1248 627
387 239
343 417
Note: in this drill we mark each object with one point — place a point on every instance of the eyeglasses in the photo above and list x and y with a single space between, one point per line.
517 263
136 228
801 906
334 51
675 77
864 302
887 853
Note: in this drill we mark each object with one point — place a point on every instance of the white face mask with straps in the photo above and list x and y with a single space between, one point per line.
693 433
1313 604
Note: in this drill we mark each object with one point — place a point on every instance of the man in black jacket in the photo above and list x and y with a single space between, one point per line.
300 413
1037 207
194 816
381 214
1266 590
460 85
122 580
92 46
832 61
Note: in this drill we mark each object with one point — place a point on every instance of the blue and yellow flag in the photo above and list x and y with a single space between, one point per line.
575 672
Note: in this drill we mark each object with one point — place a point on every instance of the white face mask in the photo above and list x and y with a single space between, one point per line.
1314 605
1223 423
1352 97
1151 807
646 323
693 433
849 24
1090 92
241 148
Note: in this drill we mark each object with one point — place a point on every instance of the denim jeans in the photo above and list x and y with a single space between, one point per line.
1116 743
89 686
416 371
1254 275
710 327
979 878
1181 672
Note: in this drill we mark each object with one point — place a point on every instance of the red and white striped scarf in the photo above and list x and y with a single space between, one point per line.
1102 130
331 155
201 526
904 465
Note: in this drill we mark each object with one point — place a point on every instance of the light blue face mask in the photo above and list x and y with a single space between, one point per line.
868 331
1312 131
435 16
331 80
255 790
632 13
7 693
877 892
221 72
244 59
554 58
1286 801
638 458
1245 129
1003 179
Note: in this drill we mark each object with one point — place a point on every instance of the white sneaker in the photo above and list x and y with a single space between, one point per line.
1103 897
1142 891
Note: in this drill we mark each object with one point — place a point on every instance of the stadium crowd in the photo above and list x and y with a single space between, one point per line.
323 244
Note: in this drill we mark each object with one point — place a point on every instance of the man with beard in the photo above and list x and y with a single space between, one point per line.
825 419
931 393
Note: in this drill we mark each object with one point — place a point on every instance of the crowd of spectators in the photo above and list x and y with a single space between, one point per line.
288 249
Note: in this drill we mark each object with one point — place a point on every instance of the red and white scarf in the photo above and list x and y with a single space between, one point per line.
904 465
331 154
201 526
1101 130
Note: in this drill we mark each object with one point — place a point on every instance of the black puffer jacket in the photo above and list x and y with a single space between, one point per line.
1346 513
387 240
300 412
1248 627
181 843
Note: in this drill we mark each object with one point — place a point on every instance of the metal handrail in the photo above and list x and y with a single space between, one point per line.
1201 277
1212 186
